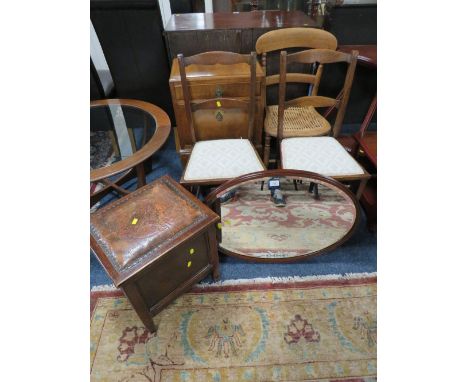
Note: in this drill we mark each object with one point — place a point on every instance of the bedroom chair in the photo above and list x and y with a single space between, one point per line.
323 155
212 162
299 121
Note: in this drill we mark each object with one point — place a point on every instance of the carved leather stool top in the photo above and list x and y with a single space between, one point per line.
132 232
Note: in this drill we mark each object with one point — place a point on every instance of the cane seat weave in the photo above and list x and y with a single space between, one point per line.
298 122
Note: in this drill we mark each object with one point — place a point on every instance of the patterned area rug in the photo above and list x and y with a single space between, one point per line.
254 226
101 151
321 330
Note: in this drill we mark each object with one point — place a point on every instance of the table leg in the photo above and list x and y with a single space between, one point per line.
140 169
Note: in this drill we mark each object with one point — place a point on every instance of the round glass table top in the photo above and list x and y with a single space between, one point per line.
124 133
284 217
117 132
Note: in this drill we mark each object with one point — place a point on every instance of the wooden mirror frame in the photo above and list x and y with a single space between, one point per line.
213 197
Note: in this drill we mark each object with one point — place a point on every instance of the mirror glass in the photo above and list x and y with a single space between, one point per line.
283 217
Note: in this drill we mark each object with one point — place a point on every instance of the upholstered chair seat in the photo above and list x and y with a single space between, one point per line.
221 159
323 155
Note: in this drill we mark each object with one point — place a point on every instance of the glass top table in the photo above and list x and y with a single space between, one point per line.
123 134
318 215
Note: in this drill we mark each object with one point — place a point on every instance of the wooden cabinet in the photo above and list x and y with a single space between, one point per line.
208 82
155 244
194 33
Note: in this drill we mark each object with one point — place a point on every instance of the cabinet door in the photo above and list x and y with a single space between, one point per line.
173 270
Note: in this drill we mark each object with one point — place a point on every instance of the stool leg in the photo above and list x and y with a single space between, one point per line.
135 298
362 186
266 151
213 253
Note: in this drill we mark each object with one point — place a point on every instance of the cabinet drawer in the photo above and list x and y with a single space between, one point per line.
216 90
173 269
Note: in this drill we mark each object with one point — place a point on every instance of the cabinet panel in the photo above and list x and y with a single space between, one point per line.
224 39
173 270
214 90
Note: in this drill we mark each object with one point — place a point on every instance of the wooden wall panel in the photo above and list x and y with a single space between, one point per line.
131 36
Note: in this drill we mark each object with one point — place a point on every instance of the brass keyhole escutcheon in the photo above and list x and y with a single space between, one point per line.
218 92
219 115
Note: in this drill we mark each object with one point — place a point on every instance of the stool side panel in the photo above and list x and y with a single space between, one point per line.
173 269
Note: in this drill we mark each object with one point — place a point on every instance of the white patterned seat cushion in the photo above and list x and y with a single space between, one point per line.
323 155
222 159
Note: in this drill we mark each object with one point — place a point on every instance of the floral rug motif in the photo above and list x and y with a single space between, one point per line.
321 330
253 226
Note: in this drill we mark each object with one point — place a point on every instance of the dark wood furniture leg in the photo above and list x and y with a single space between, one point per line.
217 209
135 298
362 186
266 151
213 253
140 169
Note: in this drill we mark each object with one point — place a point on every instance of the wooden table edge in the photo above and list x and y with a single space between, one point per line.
163 129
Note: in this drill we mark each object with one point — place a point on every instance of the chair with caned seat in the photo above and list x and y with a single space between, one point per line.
298 121
323 155
212 162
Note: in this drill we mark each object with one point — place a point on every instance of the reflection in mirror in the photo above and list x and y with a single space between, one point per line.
284 217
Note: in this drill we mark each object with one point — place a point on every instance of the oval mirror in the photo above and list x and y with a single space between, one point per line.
283 215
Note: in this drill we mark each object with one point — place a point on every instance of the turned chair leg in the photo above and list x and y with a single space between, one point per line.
266 151
313 187
316 193
362 186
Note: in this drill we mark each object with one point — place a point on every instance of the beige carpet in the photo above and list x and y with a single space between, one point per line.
320 330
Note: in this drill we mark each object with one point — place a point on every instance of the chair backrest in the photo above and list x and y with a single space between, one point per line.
322 56
218 105
307 38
